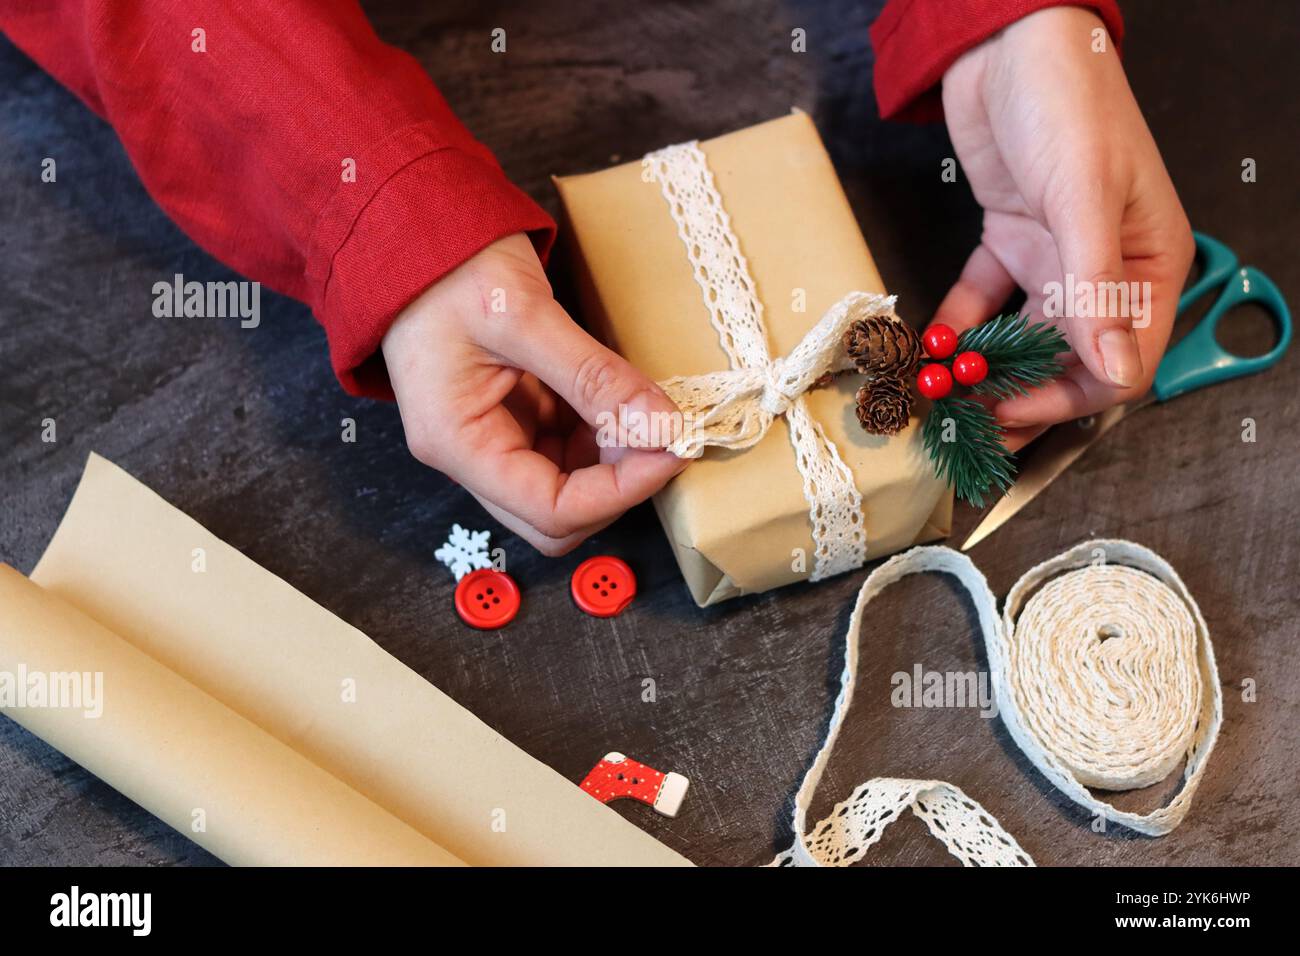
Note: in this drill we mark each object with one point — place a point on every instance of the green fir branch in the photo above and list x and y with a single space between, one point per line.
970 455
1020 356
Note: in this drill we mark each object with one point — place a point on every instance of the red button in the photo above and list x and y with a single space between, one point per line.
603 586
487 599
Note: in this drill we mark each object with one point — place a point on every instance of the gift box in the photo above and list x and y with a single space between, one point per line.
741 519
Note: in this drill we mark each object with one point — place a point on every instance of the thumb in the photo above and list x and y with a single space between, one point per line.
1086 230
625 407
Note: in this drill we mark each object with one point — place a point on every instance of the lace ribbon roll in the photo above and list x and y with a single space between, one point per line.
1105 677
1103 673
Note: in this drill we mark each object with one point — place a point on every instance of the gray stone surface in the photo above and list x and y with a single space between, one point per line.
241 430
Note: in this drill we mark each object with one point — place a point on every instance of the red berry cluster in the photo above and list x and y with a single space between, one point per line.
934 381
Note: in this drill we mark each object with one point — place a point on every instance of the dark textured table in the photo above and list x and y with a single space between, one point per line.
241 429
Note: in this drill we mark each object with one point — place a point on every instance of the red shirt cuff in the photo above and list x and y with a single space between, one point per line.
417 210
917 40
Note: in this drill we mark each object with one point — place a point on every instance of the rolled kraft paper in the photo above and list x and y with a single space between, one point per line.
186 757
735 518
217 620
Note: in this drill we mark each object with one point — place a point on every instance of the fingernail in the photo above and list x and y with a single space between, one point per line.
1119 356
653 421
1012 423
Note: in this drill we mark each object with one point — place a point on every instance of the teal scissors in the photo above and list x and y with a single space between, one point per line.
1196 361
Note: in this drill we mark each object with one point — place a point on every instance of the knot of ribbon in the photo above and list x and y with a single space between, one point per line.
734 408
775 400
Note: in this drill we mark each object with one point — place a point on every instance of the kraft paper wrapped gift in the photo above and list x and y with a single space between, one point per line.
738 520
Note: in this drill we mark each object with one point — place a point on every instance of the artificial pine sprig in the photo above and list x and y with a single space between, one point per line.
965 443
1020 356
1004 357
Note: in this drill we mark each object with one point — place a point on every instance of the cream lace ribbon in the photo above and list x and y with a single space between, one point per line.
1103 673
735 408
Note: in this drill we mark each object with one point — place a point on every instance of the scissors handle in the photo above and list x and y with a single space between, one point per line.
1218 262
1198 360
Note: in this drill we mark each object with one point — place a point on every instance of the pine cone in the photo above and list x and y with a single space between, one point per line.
884 405
883 346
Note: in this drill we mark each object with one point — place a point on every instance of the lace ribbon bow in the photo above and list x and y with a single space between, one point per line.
735 408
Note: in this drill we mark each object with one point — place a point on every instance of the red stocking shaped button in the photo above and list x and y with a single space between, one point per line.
618 776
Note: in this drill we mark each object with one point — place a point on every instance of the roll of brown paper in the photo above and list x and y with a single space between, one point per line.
184 755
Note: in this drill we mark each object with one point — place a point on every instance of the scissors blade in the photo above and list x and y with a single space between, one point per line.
1055 452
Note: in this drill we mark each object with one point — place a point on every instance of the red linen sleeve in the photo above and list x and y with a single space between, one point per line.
243 120
917 40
